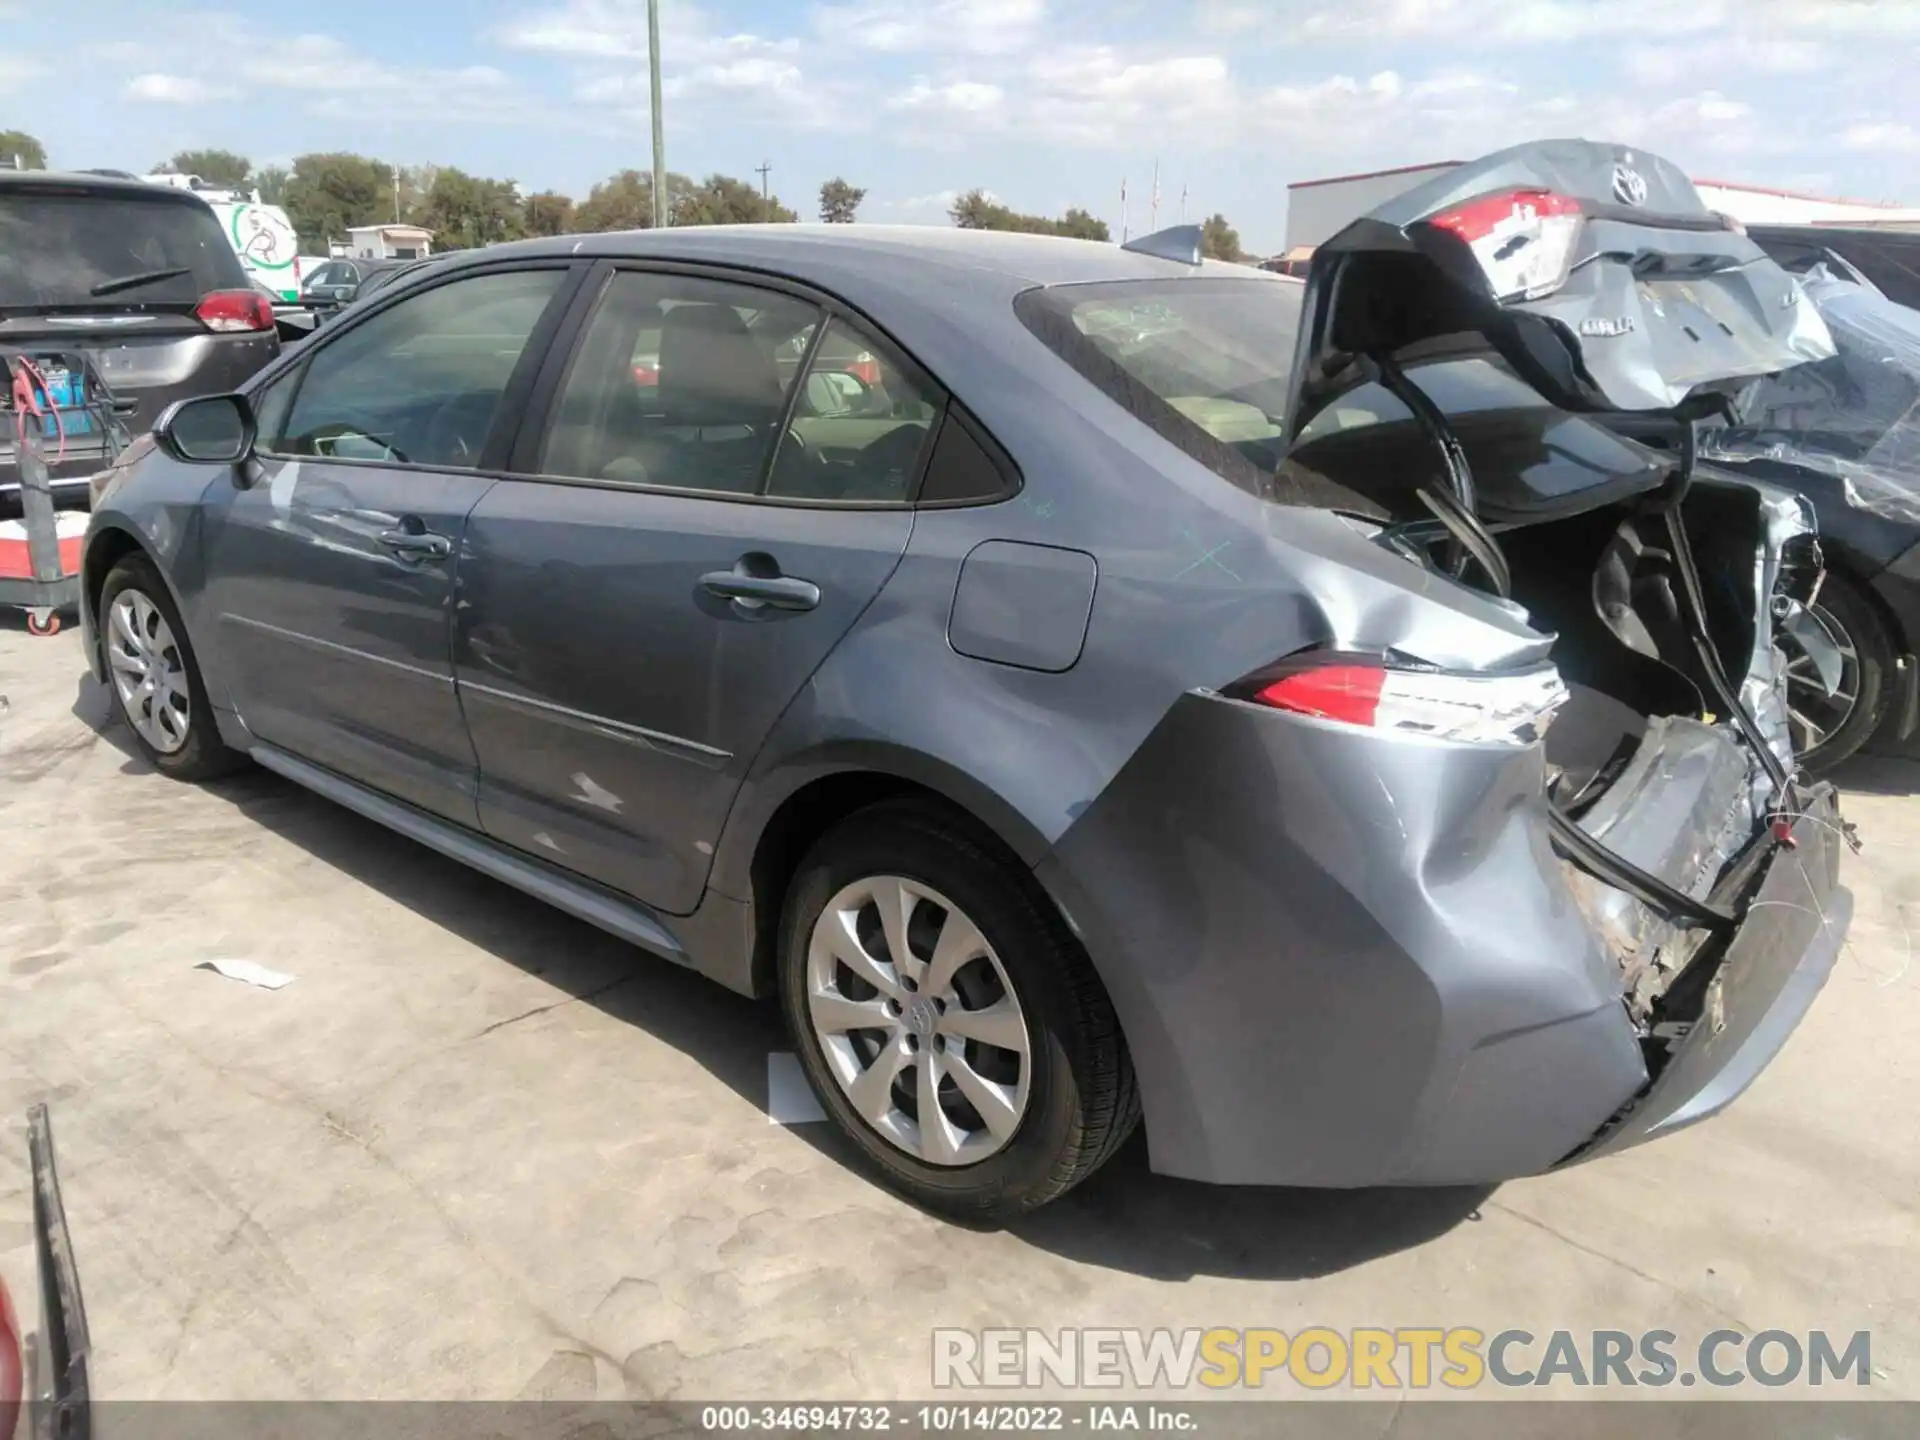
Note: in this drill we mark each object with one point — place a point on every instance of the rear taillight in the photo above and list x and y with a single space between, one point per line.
1522 239
1441 705
230 310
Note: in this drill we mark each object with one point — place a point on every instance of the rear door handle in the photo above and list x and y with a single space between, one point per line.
417 544
782 592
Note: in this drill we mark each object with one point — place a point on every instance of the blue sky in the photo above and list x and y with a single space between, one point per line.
1047 103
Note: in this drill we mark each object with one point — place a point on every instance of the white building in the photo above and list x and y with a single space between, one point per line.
1759 205
388 242
1318 209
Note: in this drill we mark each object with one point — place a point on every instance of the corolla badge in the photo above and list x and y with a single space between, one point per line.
1629 185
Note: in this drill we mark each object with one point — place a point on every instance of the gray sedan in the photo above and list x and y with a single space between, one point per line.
1082 683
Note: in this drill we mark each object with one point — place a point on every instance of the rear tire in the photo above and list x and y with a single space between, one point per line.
1039 1120
1854 622
155 678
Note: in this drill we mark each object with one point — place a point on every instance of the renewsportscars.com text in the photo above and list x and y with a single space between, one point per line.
1459 1358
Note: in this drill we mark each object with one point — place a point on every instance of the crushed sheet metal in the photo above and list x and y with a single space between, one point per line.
1855 416
1681 810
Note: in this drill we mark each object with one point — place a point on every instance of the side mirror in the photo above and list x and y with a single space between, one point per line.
208 430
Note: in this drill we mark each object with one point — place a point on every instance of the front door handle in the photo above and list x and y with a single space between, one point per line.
417 544
782 592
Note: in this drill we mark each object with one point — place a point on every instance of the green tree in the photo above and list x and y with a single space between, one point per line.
977 210
18 147
839 201
1078 224
625 201
330 191
272 184
547 213
217 167
1219 240
415 183
723 200
467 211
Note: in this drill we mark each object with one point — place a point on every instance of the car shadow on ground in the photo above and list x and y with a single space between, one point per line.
1125 1218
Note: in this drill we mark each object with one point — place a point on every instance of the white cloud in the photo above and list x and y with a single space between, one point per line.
973 27
965 96
608 30
607 41
1231 17
1891 137
155 88
1748 24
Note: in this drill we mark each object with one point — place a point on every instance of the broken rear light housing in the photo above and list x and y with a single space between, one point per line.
1523 240
1376 693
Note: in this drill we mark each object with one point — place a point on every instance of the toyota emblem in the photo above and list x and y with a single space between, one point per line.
1629 185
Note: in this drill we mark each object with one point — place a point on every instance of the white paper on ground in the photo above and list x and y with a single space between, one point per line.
789 1098
248 971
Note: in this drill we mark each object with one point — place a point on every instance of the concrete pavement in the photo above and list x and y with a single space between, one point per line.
480 1150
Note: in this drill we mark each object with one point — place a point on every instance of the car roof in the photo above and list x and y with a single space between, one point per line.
830 254
95 185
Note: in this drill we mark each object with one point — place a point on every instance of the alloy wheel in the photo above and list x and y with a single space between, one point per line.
1814 716
149 672
918 1021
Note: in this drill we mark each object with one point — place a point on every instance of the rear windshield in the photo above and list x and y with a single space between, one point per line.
57 247
1204 362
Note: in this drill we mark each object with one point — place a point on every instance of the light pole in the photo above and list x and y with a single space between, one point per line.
659 134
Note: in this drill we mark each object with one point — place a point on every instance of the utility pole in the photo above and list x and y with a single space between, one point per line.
396 194
762 170
659 133
1153 208
1183 202
1123 210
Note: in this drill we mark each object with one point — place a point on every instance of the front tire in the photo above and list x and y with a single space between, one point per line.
947 1020
155 679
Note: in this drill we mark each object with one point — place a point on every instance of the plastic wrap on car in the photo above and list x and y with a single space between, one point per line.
1855 416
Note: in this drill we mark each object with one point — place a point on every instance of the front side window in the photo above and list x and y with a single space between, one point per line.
680 382
419 383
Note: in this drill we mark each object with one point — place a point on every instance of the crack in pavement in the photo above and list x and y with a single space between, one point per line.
1615 1260
556 1005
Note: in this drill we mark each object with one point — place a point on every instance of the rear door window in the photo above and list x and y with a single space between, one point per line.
862 422
68 248
1204 362
680 382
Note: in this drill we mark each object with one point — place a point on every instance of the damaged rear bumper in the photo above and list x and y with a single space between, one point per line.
1773 967
1360 963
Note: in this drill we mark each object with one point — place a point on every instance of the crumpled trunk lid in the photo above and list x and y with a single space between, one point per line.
1594 270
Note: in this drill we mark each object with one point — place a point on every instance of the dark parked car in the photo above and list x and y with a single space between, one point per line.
1845 432
1042 666
339 282
1890 259
139 278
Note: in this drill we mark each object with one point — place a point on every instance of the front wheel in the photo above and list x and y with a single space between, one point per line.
1828 727
155 679
947 1020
